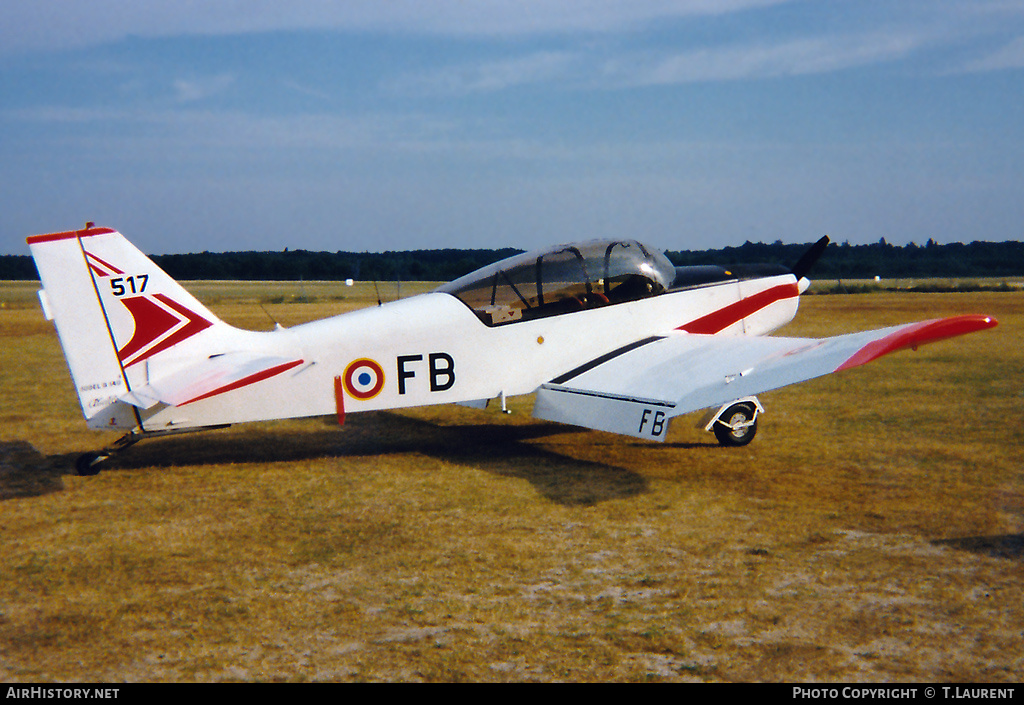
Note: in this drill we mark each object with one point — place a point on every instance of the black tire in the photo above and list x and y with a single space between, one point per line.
736 414
89 464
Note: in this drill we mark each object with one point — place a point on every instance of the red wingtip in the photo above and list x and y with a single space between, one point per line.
918 334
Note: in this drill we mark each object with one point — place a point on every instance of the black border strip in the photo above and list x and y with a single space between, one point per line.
562 379
612 397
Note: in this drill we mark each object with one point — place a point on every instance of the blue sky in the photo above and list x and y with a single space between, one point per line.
370 125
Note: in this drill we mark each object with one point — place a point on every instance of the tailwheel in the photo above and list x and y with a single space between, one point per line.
737 425
89 464
92 462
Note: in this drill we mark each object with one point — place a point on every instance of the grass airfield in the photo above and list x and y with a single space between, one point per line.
873 531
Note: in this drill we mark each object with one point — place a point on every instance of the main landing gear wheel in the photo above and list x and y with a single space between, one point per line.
737 425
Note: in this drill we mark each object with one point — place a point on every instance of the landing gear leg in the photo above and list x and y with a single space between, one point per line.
91 463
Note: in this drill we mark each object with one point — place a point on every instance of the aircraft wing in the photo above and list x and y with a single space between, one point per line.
636 389
210 377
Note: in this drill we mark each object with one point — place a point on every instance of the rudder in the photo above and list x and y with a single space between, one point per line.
115 311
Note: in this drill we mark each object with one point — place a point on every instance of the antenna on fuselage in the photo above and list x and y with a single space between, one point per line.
273 320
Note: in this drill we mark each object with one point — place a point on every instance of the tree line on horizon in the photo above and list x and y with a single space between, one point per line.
840 261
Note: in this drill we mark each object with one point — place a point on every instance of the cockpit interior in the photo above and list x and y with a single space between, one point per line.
576 277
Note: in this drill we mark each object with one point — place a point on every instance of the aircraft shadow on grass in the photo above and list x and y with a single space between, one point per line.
498 449
1001 546
501 450
25 472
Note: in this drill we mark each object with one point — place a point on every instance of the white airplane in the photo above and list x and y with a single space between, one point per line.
608 334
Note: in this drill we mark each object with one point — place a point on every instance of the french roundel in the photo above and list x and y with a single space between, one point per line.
364 379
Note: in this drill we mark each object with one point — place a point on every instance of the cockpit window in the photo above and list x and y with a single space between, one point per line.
563 279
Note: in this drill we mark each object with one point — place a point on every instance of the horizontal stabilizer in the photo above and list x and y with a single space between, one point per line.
208 378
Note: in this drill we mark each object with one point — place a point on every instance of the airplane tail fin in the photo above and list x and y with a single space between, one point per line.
114 311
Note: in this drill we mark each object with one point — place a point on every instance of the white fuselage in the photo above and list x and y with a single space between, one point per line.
432 349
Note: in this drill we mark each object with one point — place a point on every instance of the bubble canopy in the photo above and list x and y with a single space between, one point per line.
563 279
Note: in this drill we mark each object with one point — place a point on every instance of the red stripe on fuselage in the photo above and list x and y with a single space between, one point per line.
717 321
246 381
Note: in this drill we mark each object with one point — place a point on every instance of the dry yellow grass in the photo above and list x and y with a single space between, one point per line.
873 531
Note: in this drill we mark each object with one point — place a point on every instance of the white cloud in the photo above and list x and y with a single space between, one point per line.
197 89
590 68
188 132
813 55
487 76
1009 56
61 24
